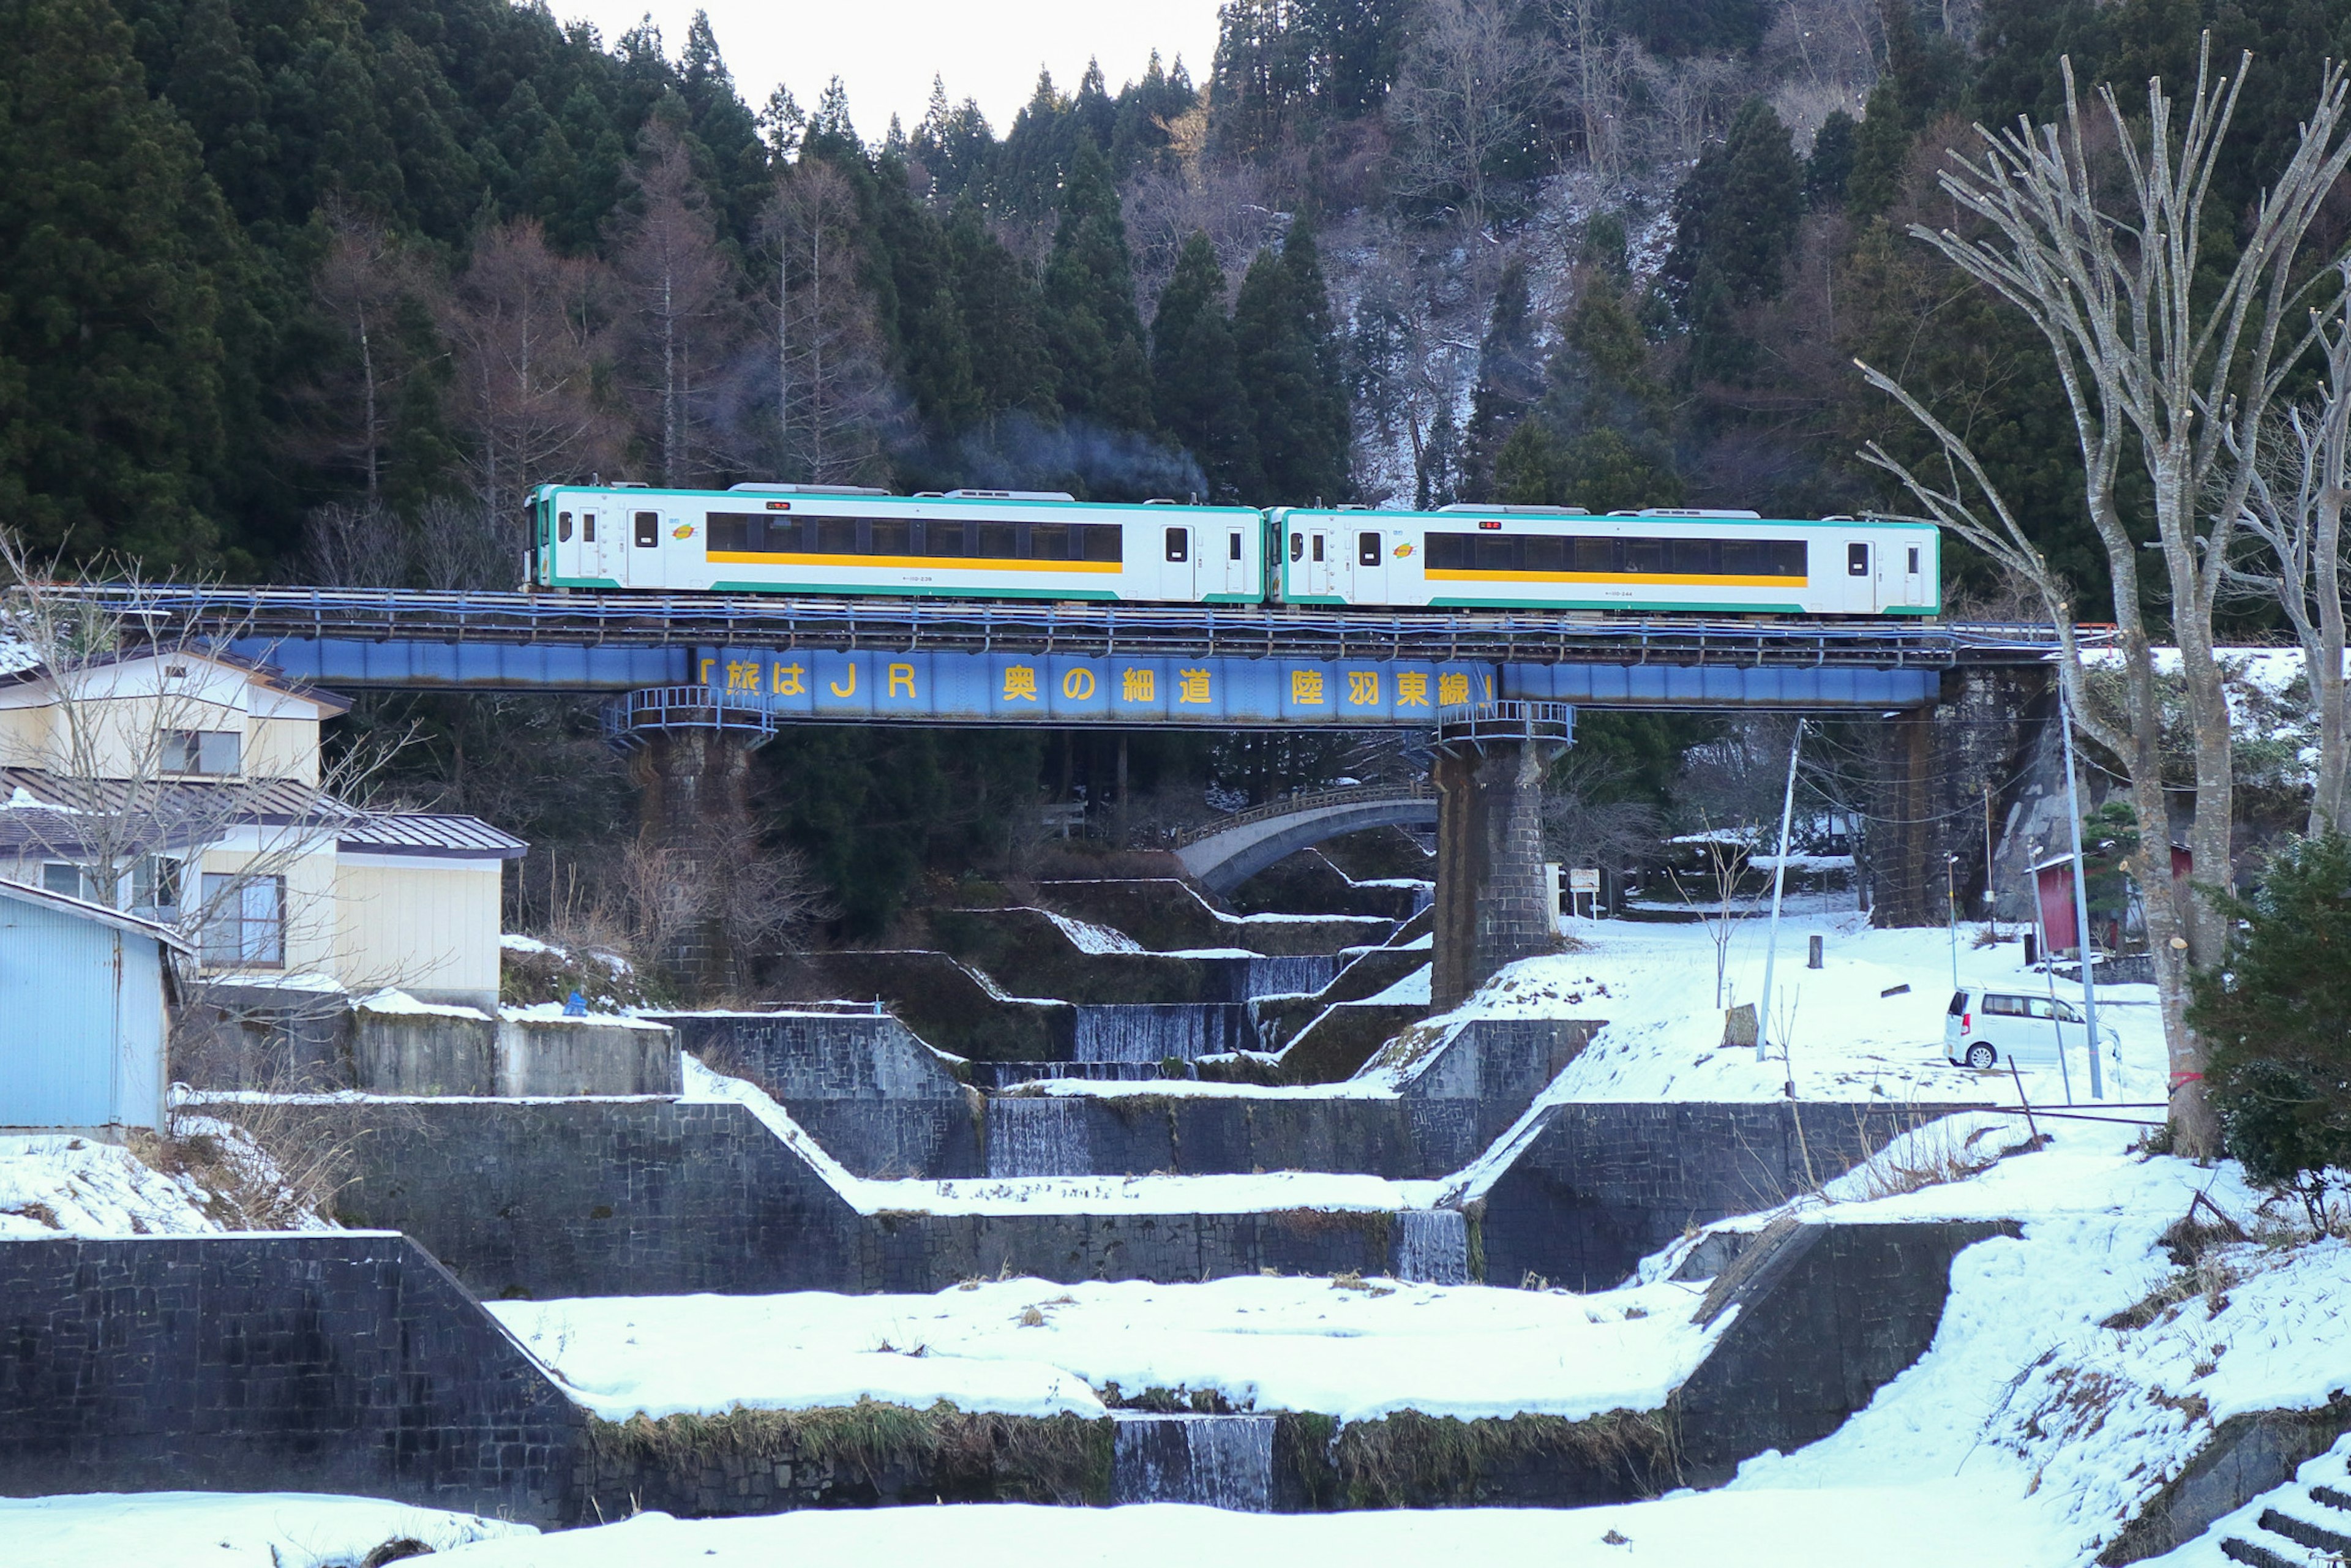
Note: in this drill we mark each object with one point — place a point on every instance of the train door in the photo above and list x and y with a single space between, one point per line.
1321 565
644 550
1915 593
1368 555
1238 538
591 558
1179 563
1860 575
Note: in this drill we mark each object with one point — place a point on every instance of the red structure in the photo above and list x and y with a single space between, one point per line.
2054 883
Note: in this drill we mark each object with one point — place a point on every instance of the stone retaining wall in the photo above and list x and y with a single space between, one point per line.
333 1363
1596 1187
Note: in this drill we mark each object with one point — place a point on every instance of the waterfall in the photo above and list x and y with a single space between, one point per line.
1289 975
1218 1462
1432 1247
1038 1136
1152 1031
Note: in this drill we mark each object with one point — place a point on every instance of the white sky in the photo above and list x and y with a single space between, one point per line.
885 51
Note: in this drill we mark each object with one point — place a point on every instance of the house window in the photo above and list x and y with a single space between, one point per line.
57 876
156 887
208 751
245 921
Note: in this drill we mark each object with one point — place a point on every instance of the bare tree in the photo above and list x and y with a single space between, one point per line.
1470 82
1594 77
831 395
2294 507
2093 227
681 300
144 788
362 545
366 279
528 330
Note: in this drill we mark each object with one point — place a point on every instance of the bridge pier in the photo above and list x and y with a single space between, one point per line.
1493 900
694 826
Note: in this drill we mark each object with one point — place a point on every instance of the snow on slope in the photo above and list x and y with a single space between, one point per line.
224 1530
1353 1350
53 1184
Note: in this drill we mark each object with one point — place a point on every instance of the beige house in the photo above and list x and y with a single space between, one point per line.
192 786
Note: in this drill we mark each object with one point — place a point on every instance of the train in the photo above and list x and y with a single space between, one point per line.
1047 545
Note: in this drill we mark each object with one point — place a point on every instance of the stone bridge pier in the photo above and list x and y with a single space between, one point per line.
1493 899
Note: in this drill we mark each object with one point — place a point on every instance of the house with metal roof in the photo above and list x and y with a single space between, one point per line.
84 998
188 790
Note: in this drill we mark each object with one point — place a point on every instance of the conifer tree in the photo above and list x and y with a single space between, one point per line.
1509 380
1195 375
1012 367
1090 320
1739 209
110 360
1290 366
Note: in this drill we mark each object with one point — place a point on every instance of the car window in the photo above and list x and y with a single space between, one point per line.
1958 1003
2041 1008
2066 1010
2004 1007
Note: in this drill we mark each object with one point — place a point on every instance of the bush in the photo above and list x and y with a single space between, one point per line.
2273 1016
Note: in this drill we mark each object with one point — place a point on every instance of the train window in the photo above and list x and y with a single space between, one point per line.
1914 560
943 538
1645 555
1691 558
734 531
563 532
648 529
1596 556
1233 549
1099 541
1179 544
1498 554
1297 547
1049 542
1367 550
1447 552
1545 553
890 537
1856 560
1318 547
587 527
835 536
999 541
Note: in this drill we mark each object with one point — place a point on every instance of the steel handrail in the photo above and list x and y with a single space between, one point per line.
1312 800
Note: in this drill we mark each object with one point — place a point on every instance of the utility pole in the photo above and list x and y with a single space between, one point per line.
1779 881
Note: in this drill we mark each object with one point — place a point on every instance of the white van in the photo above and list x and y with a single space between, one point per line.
1986 1028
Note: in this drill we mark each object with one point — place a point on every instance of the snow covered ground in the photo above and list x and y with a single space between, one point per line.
223 1530
1920 1527
1847 1037
1354 1349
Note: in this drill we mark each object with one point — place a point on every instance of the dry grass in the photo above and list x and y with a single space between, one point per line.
1409 1459
1932 1155
1049 1460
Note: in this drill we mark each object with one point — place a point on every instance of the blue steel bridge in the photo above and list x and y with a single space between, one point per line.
849 660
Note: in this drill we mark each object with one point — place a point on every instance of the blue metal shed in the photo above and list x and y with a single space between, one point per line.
83 1013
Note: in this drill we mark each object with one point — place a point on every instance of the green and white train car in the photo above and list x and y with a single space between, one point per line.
1560 558
964 544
